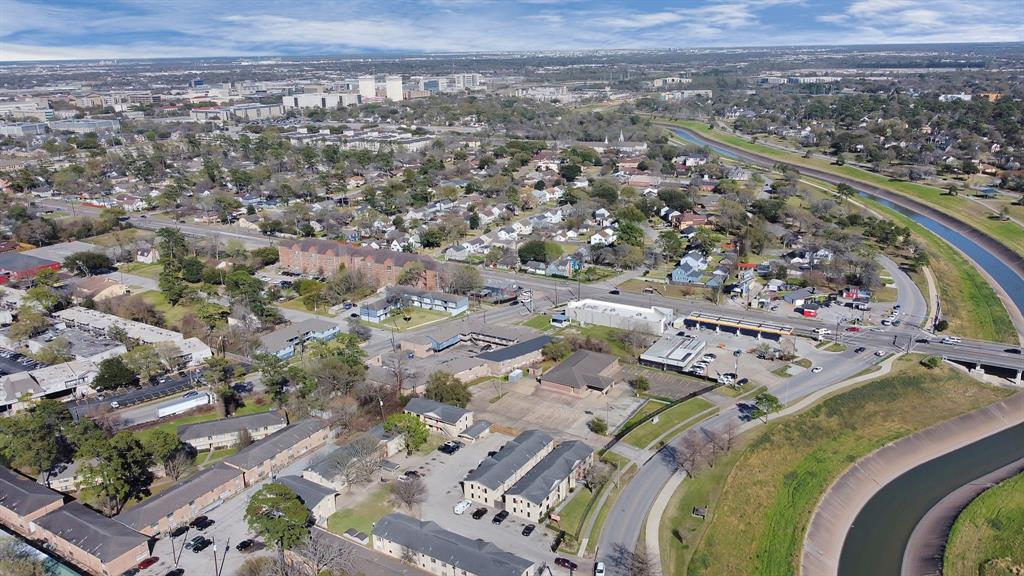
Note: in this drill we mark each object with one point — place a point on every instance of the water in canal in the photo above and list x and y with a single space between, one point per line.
875 543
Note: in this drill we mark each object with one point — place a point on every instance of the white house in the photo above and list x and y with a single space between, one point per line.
604 237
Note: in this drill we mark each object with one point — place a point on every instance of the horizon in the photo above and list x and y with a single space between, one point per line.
71 30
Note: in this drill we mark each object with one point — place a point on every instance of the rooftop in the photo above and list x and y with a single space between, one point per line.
309 492
653 313
229 425
472 556
258 452
538 483
437 410
582 370
516 350
287 335
151 510
103 537
23 495
496 470
18 262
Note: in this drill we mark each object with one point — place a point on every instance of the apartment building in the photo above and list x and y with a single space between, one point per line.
318 499
322 257
438 551
226 432
496 474
549 482
179 505
92 541
445 419
262 459
286 340
22 501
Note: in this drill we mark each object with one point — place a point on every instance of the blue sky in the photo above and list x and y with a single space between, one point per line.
83 29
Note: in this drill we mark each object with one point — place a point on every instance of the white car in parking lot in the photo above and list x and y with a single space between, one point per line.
462 506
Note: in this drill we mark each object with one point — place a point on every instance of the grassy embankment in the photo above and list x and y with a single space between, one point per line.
988 536
961 207
761 496
687 412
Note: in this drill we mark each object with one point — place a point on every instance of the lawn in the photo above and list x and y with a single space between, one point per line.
151 271
540 322
758 524
121 237
297 304
173 314
364 515
574 512
611 336
594 274
637 285
748 388
885 294
204 458
417 317
648 432
172 425
645 409
988 536
961 207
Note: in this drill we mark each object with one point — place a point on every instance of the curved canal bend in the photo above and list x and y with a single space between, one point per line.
1003 265
878 537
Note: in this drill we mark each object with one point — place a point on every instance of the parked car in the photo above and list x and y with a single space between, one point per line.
202 545
859 350
599 569
148 562
197 520
244 545
566 563
115 405
479 513
816 369
179 531
462 506
176 572
450 447
879 353
853 329
528 529
191 543
204 524
499 517
130 572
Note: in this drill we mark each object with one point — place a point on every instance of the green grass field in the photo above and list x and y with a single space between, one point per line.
151 271
610 336
965 210
121 237
988 536
363 515
648 432
297 304
540 322
757 525
206 458
645 409
417 317
173 314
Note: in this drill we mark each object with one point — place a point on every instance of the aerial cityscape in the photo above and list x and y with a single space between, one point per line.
529 288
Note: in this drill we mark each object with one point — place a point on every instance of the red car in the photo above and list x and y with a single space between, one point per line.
148 562
566 563
853 329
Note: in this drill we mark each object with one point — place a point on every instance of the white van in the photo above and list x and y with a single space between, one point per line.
951 340
822 331
462 506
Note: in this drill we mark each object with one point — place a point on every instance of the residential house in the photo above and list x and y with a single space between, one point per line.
147 255
605 237
375 311
96 289
603 218
690 269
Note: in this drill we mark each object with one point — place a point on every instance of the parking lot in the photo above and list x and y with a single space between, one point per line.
443 476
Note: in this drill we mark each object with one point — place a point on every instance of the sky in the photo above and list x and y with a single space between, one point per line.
94 29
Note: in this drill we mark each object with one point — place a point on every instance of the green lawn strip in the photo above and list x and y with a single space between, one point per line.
297 304
645 409
541 322
681 291
782 371
362 516
207 457
151 271
988 536
616 460
648 432
803 362
677 430
748 388
602 512
417 317
961 207
759 524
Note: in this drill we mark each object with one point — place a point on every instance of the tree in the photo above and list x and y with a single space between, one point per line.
30 322
363 460
143 361
258 566
177 465
410 492
56 351
444 387
569 172
19 559
540 251
88 263
275 379
34 438
114 374
412 274
276 513
596 476
464 279
640 384
321 555
671 244
765 404
598 425
408 425
359 330
116 471
631 234
162 444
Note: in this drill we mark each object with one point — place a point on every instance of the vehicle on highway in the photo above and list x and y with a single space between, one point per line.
115 404
951 340
201 545
191 543
853 329
244 545
528 529
479 513
148 562
599 569
816 369
1012 350
462 506
859 350
879 353
566 563
176 572
179 531
499 517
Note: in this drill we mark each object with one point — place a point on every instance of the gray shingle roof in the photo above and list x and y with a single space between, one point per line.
23 495
474 556
581 370
309 492
228 425
258 452
283 337
437 410
151 510
516 350
552 469
497 469
104 538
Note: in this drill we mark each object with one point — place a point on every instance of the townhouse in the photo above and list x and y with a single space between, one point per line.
262 459
188 499
496 474
441 418
550 481
227 432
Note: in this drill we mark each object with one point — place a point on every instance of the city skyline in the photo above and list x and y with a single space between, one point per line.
68 29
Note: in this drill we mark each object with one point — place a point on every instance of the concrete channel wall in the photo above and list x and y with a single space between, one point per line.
844 499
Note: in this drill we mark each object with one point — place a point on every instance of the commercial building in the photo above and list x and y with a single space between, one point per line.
65 380
239 112
321 501
322 257
496 474
504 360
22 501
393 88
191 351
673 352
473 332
367 87
651 320
582 372
438 551
739 325
85 126
439 417
327 100
227 432
90 540
262 459
550 481
285 341
19 266
188 499
23 129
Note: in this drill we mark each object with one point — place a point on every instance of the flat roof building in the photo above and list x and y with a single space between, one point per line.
673 352
19 266
504 360
438 551
284 341
651 320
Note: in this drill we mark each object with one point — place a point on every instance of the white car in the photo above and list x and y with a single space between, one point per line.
951 340
115 405
816 369
709 357
462 506
599 569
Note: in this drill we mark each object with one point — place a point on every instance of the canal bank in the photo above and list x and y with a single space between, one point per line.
846 537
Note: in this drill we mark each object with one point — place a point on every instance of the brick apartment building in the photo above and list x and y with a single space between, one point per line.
326 256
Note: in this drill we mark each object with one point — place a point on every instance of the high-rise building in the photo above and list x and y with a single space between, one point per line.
367 87
393 88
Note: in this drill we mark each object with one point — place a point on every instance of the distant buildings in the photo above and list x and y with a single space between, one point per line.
651 320
393 88
239 112
322 257
326 100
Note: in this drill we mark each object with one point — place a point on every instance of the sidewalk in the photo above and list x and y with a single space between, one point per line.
652 528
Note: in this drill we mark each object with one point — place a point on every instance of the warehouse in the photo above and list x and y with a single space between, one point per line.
673 352
651 320
19 266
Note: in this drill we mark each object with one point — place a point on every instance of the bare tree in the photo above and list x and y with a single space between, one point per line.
360 462
641 564
321 554
410 493
688 454
244 438
596 476
177 465
729 433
